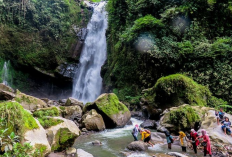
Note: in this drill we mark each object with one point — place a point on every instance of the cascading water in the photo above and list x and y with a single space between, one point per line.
5 73
87 81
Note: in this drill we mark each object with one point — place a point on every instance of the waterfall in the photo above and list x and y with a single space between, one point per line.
5 73
87 84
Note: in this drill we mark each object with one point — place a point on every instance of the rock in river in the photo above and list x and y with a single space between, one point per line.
93 121
137 146
114 113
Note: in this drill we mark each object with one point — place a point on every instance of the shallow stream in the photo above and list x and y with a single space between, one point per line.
115 141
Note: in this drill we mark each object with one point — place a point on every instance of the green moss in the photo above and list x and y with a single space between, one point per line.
48 122
177 89
64 138
62 108
17 119
50 111
110 104
40 149
183 117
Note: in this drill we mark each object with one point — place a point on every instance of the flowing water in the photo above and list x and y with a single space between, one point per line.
5 73
87 81
114 141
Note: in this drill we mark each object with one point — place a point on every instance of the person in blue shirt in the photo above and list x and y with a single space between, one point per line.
169 139
220 115
226 124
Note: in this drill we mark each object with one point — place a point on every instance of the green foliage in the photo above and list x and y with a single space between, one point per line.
51 111
184 117
175 90
6 140
25 150
47 122
40 33
191 38
17 119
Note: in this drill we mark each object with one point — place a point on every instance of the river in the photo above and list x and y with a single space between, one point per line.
114 141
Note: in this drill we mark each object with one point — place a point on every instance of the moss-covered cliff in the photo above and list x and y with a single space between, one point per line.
40 33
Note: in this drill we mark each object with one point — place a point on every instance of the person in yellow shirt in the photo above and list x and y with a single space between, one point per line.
146 136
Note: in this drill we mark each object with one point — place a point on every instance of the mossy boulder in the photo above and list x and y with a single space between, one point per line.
49 111
184 117
16 118
93 121
114 113
38 139
45 116
175 90
62 136
29 102
20 121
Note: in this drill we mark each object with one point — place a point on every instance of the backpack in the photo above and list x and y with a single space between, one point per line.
171 139
148 131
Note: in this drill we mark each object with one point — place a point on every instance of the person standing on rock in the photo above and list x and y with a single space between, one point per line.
146 136
194 141
135 132
206 142
183 140
169 139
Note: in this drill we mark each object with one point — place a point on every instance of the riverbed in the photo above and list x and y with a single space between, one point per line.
115 141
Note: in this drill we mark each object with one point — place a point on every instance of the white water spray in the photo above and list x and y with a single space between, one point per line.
5 73
87 81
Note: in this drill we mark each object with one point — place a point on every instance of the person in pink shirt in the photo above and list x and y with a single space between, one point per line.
206 142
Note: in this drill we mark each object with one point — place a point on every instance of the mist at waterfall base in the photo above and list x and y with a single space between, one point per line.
87 84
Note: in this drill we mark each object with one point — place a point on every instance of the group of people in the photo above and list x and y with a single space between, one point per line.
225 122
183 139
194 139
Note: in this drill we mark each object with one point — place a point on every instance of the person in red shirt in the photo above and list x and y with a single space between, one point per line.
193 138
206 142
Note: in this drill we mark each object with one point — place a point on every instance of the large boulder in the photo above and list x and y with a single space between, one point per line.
73 102
215 132
45 116
82 153
175 90
93 121
114 113
22 123
149 124
71 112
62 135
29 102
6 93
183 118
38 139
138 146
